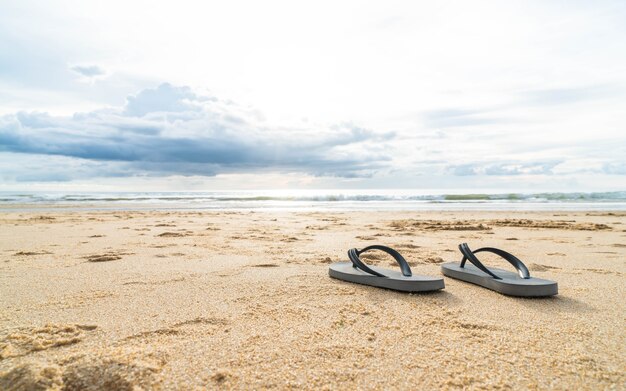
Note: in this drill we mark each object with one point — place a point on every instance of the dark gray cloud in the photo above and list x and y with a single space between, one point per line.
172 130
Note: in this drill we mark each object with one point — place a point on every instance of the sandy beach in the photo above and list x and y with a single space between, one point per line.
195 300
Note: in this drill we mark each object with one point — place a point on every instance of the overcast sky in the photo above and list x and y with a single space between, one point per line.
188 95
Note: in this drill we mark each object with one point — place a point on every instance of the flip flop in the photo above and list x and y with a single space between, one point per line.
502 281
358 272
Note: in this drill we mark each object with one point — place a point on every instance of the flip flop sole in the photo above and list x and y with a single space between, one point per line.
395 280
510 283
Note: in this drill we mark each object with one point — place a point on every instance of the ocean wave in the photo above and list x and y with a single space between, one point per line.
329 197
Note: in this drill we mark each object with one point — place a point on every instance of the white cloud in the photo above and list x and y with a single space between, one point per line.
491 89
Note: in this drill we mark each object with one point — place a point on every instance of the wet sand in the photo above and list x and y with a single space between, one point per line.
196 300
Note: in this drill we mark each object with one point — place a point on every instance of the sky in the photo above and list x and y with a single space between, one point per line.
159 95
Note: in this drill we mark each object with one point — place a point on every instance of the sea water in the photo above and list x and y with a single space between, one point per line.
405 199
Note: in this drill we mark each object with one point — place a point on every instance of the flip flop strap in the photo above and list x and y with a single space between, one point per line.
468 254
353 254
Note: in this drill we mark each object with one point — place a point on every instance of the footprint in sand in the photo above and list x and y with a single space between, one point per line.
601 271
32 376
112 373
316 227
542 268
23 341
134 371
171 235
421 261
31 253
435 260
435 225
103 258
550 224
207 324
408 246
373 256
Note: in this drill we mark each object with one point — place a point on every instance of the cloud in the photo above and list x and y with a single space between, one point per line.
164 99
534 168
463 170
172 130
615 168
88 70
457 117
504 168
561 96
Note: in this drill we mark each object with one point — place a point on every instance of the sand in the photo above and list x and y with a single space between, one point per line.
195 300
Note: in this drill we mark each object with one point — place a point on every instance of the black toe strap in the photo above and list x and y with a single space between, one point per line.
468 254
353 254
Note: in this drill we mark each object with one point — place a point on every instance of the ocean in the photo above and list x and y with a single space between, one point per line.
315 200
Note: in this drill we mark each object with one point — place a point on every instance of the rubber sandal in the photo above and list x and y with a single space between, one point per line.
502 281
358 272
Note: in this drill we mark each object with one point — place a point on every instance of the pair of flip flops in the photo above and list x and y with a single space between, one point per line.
502 281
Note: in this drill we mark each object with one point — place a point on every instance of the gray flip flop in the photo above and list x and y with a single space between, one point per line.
358 272
502 281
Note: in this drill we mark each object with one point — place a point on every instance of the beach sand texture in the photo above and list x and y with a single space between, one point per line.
196 300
